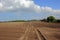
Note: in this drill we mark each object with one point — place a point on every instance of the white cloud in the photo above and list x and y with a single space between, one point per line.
24 6
56 11
1 6
47 9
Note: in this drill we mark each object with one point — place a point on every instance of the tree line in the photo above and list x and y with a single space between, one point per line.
51 19
48 19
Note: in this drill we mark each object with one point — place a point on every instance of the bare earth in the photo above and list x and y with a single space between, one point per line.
29 31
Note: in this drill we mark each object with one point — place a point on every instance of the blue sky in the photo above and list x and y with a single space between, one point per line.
50 3
28 10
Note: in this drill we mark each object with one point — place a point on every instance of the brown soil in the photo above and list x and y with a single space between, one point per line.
28 31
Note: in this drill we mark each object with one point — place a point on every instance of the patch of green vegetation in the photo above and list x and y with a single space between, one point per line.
17 21
51 19
22 20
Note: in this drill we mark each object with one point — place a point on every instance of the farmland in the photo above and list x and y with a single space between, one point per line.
29 31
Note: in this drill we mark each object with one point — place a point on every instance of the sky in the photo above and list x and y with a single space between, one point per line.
28 9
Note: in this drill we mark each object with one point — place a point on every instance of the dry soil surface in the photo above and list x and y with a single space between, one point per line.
29 31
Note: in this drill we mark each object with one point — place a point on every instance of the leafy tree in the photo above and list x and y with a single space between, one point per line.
58 20
50 19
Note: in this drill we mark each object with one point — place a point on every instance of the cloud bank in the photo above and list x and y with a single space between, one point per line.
24 6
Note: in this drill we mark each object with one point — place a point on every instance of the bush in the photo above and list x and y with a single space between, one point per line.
44 20
58 20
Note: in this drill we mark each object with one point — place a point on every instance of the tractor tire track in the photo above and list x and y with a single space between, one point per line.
39 35
25 36
37 31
